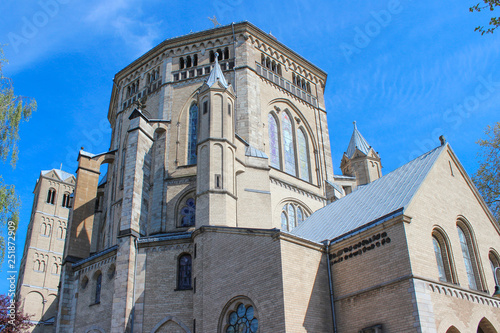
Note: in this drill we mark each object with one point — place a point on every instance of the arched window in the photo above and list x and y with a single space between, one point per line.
495 263
42 266
55 268
98 282
195 60
219 54
187 213
212 56
468 255
226 53
274 142
292 215
239 315
51 196
65 201
438 252
263 60
288 145
48 230
181 63
268 63
184 272
188 61
303 156
192 135
36 266
60 233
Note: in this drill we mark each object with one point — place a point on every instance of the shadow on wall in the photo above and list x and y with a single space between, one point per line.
319 309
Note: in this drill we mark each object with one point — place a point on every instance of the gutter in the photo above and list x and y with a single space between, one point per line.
330 285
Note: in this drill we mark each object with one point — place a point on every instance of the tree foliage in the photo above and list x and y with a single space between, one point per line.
494 21
487 177
13 110
12 320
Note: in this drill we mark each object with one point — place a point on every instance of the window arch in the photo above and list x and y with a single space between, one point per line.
292 215
51 195
495 263
65 201
288 144
468 254
443 256
192 135
274 147
184 272
239 315
187 211
181 63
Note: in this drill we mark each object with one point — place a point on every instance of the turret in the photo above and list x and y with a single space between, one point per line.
361 160
216 200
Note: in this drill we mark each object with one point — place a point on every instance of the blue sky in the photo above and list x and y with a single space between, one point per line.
406 71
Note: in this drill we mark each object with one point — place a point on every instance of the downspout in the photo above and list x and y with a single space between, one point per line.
327 248
133 291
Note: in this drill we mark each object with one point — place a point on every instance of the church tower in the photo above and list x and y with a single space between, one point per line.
361 160
216 200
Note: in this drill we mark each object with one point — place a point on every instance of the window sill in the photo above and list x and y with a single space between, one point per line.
177 289
95 304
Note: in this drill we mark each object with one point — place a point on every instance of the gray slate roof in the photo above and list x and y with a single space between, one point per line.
63 175
254 152
382 198
357 141
216 74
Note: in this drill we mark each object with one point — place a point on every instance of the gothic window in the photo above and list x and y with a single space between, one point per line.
468 255
226 53
495 267
292 215
268 63
219 54
263 60
181 63
98 282
65 201
192 136
60 233
36 266
288 145
195 60
274 142
212 56
438 252
187 214
303 156
55 268
51 196
188 61
239 315
184 272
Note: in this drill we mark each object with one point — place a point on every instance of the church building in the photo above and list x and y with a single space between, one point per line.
220 212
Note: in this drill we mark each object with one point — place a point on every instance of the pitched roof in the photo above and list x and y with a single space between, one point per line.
382 198
63 175
357 141
216 75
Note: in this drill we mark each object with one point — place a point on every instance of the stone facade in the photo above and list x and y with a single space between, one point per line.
219 152
43 251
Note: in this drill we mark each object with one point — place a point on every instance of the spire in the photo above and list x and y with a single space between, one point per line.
216 74
357 141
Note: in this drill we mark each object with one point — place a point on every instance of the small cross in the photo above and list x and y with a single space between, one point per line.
214 21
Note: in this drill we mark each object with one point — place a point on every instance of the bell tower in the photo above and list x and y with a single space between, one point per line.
216 200
361 160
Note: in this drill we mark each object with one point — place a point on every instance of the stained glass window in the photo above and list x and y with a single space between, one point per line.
291 217
242 320
188 213
303 156
284 221
466 253
184 280
273 142
288 145
300 215
439 259
192 139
